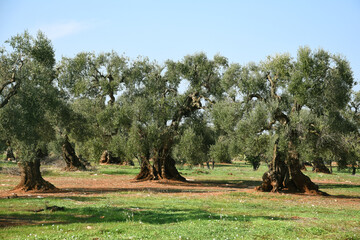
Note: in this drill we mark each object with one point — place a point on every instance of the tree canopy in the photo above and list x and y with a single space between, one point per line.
284 111
289 101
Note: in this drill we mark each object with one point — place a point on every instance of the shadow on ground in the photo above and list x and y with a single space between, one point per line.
181 187
216 183
114 214
334 186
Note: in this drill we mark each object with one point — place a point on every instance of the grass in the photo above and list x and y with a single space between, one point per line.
7 163
156 215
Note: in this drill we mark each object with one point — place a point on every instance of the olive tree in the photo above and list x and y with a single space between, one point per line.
274 94
28 102
92 82
160 109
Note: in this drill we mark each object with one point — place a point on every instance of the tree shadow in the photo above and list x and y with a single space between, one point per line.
197 186
334 186
224 165
344 197
115 214
216 183
116 172
49 198
142 189
340 186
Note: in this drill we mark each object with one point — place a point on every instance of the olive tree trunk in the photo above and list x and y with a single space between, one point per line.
353 169
107 157
31 178
285 173
72 161
9 154
319 166
163 167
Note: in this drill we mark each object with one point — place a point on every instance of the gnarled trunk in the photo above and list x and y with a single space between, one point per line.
72 161
161 169
163 164
31 178
319 166
285 173
10 154
301 182
107 157
277 177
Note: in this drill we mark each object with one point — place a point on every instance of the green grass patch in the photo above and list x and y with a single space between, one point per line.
159 215
7 163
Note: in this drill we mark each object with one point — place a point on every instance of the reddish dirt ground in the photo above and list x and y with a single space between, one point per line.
105 184
110 183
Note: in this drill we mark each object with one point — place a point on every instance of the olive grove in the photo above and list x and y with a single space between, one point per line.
284 111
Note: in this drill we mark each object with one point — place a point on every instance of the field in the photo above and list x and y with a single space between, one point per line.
107 203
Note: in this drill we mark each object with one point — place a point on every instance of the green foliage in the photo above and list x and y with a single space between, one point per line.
219 152
254 161
321 81
134 108
93 76
117 146
27 117
224 116
203 73
281 96
2 146
190 148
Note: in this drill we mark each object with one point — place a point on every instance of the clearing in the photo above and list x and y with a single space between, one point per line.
107 203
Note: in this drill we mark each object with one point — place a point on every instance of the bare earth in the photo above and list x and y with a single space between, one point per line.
70 186
106 184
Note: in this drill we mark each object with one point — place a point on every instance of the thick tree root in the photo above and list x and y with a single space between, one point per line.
298 183
285 173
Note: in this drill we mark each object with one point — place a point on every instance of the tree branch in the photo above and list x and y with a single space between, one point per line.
255 95
12 92
281 117
268 127
296 107
168 90
273 87
6 84
14 89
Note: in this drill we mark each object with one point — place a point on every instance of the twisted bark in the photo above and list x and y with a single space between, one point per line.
72 161
31 178
163 166
107 157
285 173
319 166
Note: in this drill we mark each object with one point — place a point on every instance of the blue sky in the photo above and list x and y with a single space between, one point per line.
242 31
